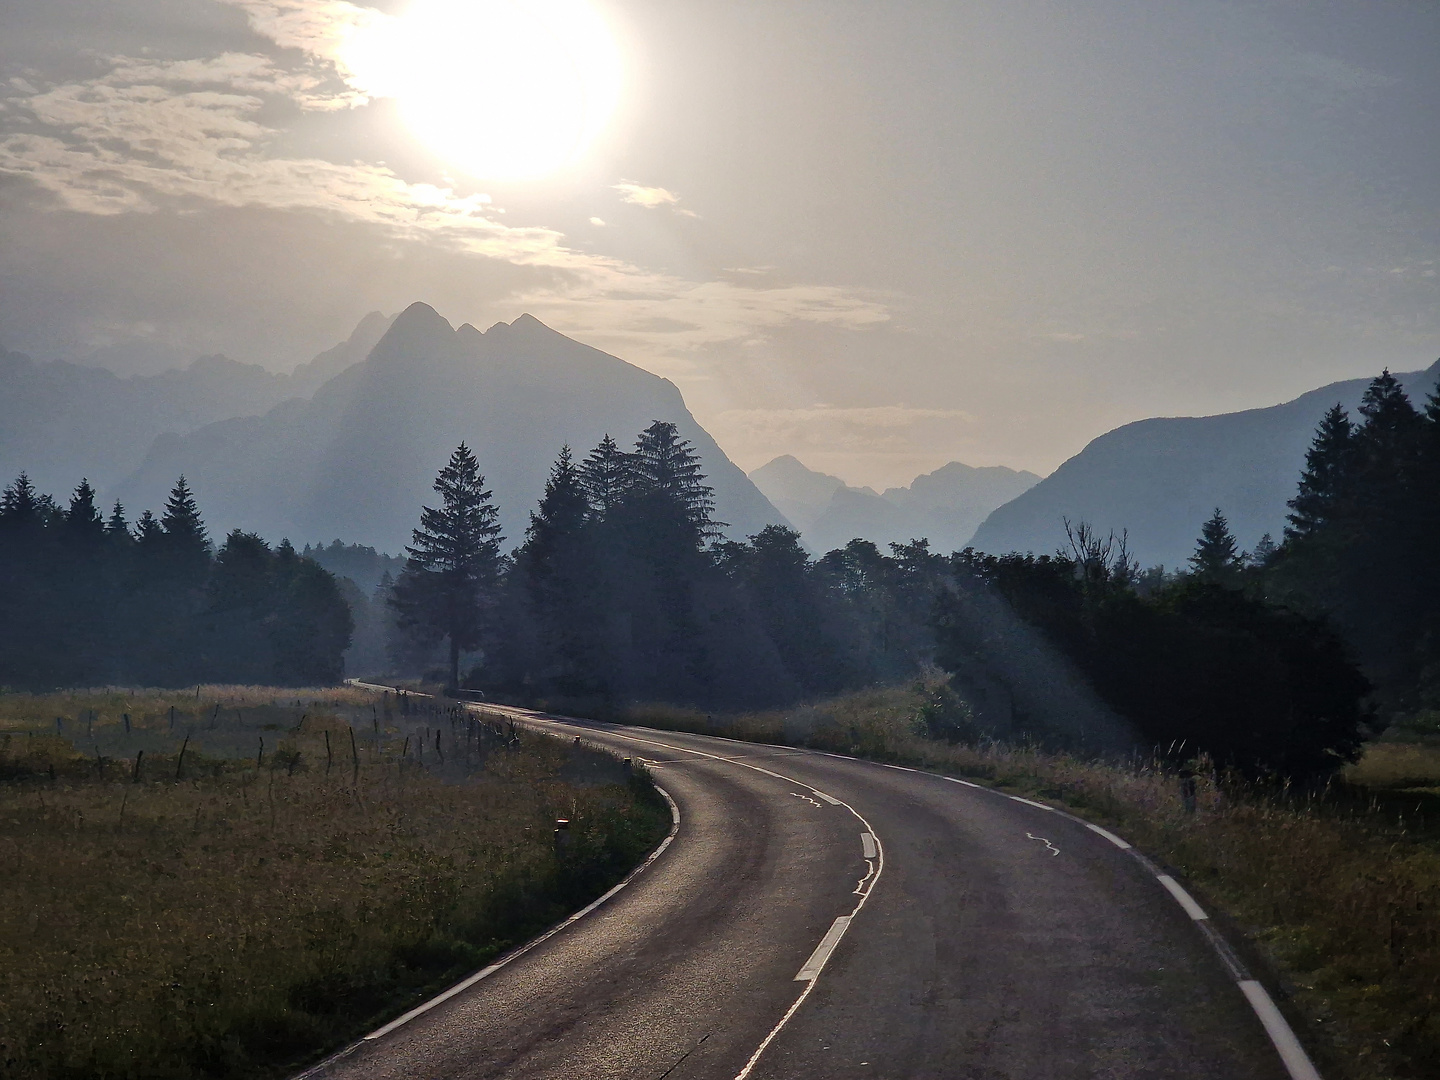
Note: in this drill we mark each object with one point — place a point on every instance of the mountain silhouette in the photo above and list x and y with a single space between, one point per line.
945 506
358 459
1159 479
60 421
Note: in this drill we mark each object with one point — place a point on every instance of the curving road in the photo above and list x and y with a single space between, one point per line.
821 917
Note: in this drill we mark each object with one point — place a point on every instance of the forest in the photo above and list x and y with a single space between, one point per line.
92 601
623 590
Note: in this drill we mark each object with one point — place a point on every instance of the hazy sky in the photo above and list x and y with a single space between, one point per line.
877 236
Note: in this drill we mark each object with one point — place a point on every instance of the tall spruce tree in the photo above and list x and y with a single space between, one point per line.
1217 556
185 546
454 561
82 517
607 476
1328 465
670 481
562 578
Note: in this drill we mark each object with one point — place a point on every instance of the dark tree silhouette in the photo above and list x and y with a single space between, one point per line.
450 577
607 475
1217 557
1327 464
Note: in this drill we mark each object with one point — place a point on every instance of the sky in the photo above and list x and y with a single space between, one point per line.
879 237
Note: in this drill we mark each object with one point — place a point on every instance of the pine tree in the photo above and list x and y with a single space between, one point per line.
1217 556
19 504
1328 465
116 527
1386 407
668 477
454 560
563 508
1264 552
185 545
148 534
607 476
82 518
562 578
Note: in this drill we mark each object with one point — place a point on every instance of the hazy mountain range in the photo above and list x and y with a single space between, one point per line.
1159 479
61 421
945 506
358 459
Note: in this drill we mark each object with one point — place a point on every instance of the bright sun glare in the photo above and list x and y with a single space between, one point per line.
502 89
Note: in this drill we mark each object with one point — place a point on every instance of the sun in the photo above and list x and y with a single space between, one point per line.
501 89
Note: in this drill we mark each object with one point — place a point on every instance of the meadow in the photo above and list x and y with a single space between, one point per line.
1336 890
228 881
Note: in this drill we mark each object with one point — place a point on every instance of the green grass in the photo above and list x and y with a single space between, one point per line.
1338 891
242 918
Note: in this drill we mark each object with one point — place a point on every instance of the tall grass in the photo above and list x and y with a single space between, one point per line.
1338 890
236 911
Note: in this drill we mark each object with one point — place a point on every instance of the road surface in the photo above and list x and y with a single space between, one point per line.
820 917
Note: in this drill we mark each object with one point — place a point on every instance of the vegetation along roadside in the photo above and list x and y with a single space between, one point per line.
228 881
1337 888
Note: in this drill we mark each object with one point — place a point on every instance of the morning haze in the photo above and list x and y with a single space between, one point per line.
747 541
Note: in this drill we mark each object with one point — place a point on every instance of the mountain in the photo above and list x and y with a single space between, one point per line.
944 506
1161 478
61 421
799 493
358 459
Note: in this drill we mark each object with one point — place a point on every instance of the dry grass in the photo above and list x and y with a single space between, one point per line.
247 915
1338 890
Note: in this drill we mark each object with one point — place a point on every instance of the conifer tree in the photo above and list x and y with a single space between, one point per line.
82 518
563 508
1216 556
607 476
1328 464
185 545
148 534
19 504
454 561
1390 419
668 477
116 527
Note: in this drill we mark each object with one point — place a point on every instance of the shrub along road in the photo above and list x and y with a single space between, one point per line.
817 916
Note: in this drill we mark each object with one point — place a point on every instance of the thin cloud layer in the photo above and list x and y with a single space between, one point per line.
149 135
648 197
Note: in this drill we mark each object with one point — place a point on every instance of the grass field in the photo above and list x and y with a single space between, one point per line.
1338 890
225 883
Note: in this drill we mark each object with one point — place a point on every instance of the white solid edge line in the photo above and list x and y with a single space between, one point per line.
1032 802
828 798
867 845
873 879
967 783
811 968
1291 1052
465 984
1173 887
1108 835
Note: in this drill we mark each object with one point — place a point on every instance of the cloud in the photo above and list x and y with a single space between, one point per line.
185 135
648 197
597 222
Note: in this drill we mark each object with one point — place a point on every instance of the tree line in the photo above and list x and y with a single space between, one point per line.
87 600
623 590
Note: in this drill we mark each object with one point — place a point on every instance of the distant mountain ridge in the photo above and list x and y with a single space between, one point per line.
358 459
1159 479
61 421
944 506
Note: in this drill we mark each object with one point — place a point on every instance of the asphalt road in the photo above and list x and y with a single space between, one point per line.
986 939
